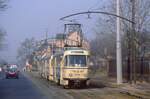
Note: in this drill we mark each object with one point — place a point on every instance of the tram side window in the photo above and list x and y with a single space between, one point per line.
88 59
66 61
58 60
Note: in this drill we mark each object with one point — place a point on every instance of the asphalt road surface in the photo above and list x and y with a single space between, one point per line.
21 88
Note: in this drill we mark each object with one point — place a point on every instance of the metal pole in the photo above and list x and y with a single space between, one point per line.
118 47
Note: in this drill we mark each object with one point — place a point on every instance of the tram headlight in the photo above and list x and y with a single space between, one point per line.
70 75
85 75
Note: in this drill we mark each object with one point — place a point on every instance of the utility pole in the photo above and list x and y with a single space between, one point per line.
118 46
46 35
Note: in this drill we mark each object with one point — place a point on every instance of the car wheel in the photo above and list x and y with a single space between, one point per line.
17 77
6 77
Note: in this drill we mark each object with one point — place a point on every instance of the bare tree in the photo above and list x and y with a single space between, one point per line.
25 50
2 38
105 28
3 4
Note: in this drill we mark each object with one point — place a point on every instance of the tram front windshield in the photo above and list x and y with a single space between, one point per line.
75 60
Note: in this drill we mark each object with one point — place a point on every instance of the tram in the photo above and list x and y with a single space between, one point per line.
70 67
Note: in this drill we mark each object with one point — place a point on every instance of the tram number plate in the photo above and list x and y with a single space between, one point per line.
78 71
77 74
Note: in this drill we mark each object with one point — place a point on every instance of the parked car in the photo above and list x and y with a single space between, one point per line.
12 72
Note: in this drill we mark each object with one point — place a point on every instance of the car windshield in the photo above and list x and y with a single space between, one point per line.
76 60
12 69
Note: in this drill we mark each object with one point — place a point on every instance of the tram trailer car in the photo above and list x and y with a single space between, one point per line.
44 67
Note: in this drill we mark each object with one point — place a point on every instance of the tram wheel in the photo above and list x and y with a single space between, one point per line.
58 82
47 78
83 84
66 87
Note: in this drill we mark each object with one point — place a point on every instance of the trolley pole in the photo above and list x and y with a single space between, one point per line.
118 46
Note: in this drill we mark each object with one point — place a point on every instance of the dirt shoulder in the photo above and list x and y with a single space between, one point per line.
138 90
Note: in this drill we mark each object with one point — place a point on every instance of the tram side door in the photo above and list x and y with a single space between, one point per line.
58 61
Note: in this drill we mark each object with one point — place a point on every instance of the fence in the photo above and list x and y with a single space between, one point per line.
142 70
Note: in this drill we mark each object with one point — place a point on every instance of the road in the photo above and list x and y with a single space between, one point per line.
31 86
21 88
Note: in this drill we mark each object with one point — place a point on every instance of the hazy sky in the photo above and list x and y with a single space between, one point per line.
31 18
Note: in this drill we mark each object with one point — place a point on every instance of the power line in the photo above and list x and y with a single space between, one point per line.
96 12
